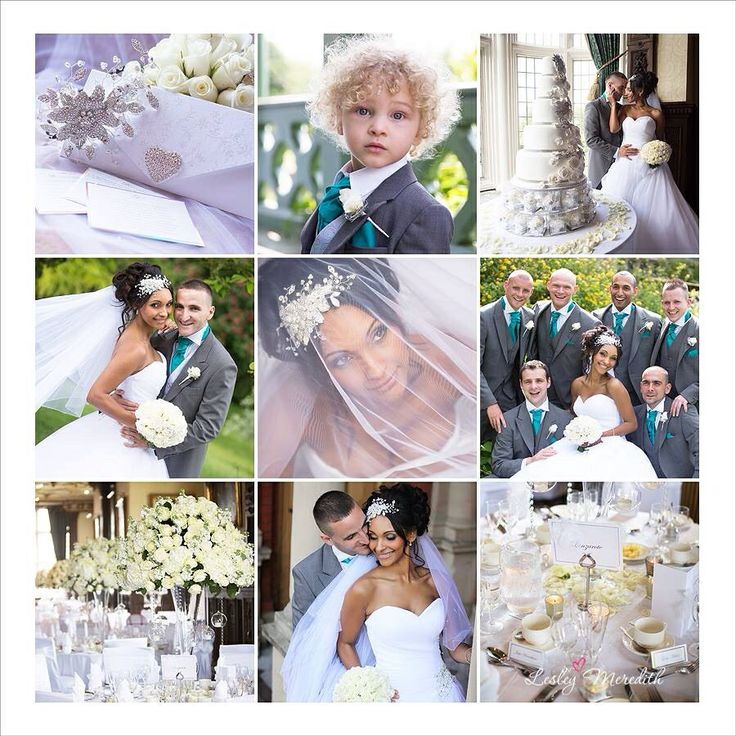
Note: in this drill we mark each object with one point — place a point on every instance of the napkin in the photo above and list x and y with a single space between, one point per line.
78 689
95 677
122 692
222 692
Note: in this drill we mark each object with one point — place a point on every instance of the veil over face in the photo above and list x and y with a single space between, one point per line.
367 368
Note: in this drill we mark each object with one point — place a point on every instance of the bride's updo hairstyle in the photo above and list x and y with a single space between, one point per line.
595 338
127 288
644 83
405 506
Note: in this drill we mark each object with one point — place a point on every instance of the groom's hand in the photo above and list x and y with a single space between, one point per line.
543 454
133 439
627 150
678 405
119 396
495 417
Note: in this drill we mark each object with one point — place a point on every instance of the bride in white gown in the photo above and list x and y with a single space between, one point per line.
391 615
665 222
87 346
599 395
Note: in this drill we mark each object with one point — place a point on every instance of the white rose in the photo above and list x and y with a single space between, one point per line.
222 48
576 326
199 576
173 79
250 53
692 341
167 52
230 72
194 589
351 201
202 88
529 325
243 40
241 97
197 58
648 325
553 429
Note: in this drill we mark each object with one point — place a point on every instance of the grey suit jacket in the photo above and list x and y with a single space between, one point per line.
602 143
204 401
311 576
499 371
636 358
414 220
676 442
517 441
686 381
563 353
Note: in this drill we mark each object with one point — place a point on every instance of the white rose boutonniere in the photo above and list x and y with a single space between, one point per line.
192 375
576 326
552 430
354 207
692 341
663 417
647 327
529 325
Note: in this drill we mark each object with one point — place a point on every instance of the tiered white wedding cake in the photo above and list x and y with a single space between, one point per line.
549 194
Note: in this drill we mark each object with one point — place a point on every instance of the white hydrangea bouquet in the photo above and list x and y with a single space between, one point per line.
160 423
583 432
93 567
363 685
56 576
188 542
655 153
206 66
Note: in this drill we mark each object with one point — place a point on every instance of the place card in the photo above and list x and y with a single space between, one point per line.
174 664
673 593
78 191
52 186
671 655
573 539
526 655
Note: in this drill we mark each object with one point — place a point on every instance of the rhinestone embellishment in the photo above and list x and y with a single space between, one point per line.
162 164
380 507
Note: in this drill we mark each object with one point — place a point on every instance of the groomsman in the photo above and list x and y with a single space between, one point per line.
672 443
677 348
505 331
530 429
559 325
637 327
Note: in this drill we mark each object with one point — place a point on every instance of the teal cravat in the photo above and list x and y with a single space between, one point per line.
618 324
346 560
179 351
536 420
671 334
330 208
652 415
553 323
514 320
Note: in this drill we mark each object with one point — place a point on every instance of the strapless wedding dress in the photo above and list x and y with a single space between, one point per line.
615 458
665 221
407 650
91 447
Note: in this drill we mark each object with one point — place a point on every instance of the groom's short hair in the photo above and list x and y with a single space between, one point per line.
330 507
676 283
533 365
197 285
620 75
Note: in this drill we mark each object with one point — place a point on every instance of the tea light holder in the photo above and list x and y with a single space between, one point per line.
650 562
595 684
554 606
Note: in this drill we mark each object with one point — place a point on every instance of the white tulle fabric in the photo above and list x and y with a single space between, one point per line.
614 459
366 437
665 222
311 666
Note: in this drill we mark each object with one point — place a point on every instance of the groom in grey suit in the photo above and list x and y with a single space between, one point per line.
637 327
504 341
201 379
341 523
557 338
530 429
602 144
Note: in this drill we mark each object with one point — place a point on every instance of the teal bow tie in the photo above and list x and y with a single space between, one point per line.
330 208
652 415
536 420
513 328
179 351
618 323
346 561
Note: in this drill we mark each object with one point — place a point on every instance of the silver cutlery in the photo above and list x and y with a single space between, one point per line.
654 695
499 657
681 670
544 693
630 693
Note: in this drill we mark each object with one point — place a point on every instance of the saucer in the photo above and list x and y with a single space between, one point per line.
519 637
643 553
641 651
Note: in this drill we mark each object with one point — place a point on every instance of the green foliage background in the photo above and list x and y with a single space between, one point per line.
231 280
594 277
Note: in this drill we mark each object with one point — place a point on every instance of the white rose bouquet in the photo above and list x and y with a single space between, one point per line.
188 542
93 567
363 685
208 66
655 153
583 432
161 423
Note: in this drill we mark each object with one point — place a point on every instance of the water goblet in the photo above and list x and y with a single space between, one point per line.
576 505
565 636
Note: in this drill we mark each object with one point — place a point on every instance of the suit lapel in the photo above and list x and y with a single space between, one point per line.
199 359
657 345
662 427
524 425
330 566
499 322
543 429
688 328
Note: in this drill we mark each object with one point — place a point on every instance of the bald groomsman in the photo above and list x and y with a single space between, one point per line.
559 325
672 443
677 349
637 327
505 331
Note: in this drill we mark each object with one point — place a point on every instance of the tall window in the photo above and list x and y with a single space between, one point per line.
45 555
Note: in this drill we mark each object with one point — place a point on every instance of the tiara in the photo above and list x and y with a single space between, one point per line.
380 507
607 339
148 284
301 311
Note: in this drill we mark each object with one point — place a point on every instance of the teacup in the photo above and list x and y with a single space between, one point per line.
537 629
649 632
490 553
682 553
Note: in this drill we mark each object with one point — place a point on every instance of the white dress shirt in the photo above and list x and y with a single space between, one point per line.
626 312
196 339
564 313
544 406
341 556
366 180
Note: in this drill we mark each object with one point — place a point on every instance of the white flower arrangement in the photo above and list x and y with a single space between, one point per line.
93 567
160 423
193 374
583 432
189 542
575 326
692 341
612 587
55 577
362 685
655 153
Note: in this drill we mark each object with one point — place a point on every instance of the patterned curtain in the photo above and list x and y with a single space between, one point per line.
604 47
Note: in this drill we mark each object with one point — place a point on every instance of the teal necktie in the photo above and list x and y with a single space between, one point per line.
514 320
536 420
553 323
181 348
330 208
652 415
671 334
618 323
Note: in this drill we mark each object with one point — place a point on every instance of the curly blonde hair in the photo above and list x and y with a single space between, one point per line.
358 67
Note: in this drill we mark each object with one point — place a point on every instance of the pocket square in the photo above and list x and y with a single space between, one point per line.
692 353
669 436
552 439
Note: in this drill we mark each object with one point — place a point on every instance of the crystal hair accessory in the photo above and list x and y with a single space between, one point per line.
148 284
380 507
301 310
607 339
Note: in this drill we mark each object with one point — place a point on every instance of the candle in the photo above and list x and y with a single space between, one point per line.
648 586
650 562
554 605
490 553
595 681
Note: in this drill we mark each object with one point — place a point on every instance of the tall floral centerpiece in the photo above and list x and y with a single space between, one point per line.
186 544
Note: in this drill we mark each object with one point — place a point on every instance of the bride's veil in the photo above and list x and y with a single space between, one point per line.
75 337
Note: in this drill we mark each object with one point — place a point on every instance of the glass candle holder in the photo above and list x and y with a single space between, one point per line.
554 605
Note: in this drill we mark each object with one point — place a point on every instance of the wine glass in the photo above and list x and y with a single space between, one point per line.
490 599
592 499
565 636
592 625
576 505
626 498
